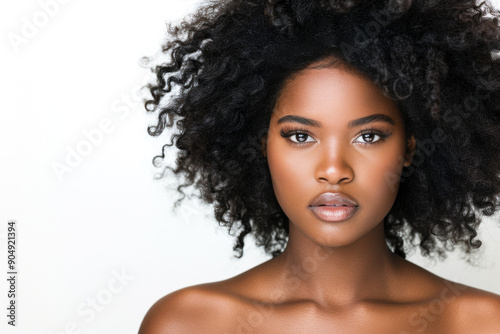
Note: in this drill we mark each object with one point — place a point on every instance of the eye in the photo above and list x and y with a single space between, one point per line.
301 136
372 136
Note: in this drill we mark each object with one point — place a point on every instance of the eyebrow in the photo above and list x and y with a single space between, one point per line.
352 124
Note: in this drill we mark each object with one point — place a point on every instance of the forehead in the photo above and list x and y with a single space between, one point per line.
332 91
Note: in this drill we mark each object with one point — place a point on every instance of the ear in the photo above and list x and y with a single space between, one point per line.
263 145
410 151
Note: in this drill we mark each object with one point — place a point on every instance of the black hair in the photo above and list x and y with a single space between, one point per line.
437 59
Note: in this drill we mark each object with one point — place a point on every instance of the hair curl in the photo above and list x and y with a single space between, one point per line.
437 59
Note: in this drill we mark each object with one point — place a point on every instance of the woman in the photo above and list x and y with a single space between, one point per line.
339 134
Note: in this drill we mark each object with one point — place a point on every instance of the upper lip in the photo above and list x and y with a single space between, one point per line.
330 198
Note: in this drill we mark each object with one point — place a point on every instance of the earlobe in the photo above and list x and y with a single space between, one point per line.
410 151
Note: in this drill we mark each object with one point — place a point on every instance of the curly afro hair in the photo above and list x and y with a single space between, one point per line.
438 60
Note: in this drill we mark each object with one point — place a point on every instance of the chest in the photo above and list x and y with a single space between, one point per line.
403 319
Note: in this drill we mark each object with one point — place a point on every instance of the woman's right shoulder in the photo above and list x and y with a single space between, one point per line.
197 309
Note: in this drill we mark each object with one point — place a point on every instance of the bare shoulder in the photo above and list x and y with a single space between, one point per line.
202 308
216 307
449 306
477 311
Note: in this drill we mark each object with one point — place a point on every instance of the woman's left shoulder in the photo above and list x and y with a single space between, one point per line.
474 310
460 308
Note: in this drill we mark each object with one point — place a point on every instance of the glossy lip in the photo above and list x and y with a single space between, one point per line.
333 207
330 198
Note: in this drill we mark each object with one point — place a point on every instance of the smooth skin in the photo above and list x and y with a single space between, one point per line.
333 277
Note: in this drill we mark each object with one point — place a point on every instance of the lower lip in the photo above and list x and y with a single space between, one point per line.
333 213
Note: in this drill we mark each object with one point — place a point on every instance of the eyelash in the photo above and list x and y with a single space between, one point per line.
289 132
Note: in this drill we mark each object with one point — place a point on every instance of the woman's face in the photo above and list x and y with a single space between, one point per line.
333 131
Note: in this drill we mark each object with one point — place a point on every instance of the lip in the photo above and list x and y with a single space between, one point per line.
333 207
330 199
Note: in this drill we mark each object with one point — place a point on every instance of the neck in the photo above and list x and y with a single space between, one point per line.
339 276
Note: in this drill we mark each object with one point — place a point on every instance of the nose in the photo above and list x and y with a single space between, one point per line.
333 166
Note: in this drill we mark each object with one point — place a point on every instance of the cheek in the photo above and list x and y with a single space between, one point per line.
382 177
288 175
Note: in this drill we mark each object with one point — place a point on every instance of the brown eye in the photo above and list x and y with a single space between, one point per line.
372 136
297 136
368 137
301 137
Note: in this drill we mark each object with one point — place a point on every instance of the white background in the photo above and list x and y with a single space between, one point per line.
106 217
